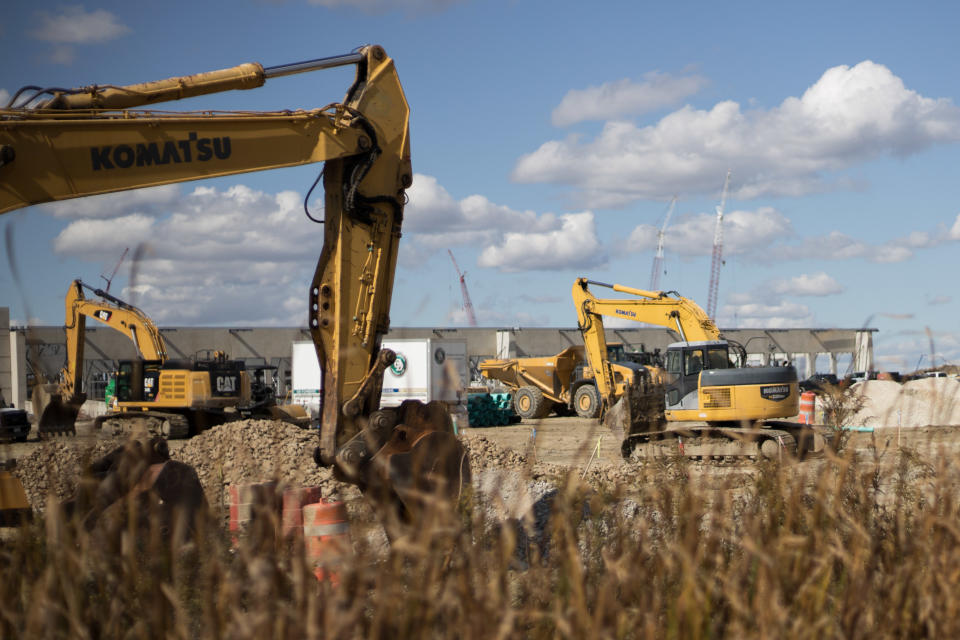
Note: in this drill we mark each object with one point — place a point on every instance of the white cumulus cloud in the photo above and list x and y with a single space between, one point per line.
72 24
573 245
692 235
817 284
112 205
230 257
613 100
775 315
434 220
955 229
240 256
850 115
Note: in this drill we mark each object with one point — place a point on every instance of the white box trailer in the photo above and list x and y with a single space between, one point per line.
306 385
426 369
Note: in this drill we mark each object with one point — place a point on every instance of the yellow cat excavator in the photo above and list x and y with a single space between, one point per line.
171 398
701 381
57 144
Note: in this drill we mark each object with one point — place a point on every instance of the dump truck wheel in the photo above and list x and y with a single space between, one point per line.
530 403
587 401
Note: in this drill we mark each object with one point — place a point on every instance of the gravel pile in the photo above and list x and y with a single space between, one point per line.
250 451
487 454
917 403
53 468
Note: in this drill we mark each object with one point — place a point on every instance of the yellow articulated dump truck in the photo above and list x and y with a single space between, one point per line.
564 383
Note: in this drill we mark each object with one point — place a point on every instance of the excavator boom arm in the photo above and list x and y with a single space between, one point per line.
116 314
88 141
653 307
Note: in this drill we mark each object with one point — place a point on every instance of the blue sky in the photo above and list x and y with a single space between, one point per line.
547 139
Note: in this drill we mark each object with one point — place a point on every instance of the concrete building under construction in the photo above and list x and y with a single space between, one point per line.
27 352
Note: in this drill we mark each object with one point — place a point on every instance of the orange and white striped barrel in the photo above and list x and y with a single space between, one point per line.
291 521
326 535
808 401
248 503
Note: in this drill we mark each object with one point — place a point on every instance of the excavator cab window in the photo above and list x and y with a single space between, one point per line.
129 381
673 362
692 362
717 358
616 353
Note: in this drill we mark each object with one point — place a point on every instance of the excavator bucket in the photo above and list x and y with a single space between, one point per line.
423 463
138 482
640 409
54 414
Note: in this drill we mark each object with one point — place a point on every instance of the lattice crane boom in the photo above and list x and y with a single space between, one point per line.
717 259
467 303
658 258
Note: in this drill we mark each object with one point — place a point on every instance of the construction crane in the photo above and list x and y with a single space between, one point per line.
467 304
717 253
115 269
658 259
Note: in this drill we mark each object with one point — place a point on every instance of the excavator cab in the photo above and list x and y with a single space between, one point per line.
684 363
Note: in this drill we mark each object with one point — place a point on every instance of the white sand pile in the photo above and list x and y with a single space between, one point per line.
918 403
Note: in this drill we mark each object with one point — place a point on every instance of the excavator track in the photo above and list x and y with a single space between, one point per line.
171 426
725 445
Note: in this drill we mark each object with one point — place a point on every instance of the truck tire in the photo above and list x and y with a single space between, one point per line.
587 401
529 403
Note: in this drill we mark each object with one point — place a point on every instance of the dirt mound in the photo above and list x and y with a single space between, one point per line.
487 454
250 451
241 452
53 469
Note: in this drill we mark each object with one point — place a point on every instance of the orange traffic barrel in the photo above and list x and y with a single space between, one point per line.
326 537
253 508
291 521
808 401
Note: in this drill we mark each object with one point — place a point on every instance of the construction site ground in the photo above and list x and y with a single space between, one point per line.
260 450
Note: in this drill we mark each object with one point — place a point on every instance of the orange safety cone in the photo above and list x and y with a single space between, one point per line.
327 538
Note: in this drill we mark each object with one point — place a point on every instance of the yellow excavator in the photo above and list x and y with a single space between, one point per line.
701 381
57 144
170 398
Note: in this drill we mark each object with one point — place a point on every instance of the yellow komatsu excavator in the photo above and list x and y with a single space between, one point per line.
701 381
57 144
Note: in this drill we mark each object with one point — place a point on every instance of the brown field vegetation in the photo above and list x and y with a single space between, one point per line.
861 545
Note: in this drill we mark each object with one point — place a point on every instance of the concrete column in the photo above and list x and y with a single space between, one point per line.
811 367
18 369
833 363
503 345
863 357
6 368
765 359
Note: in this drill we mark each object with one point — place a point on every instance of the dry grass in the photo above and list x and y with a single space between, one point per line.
844 547
840 405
